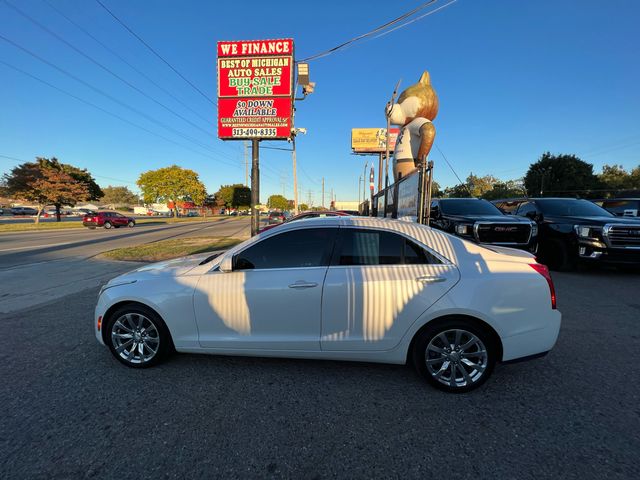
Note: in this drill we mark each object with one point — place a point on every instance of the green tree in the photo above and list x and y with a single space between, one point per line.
43 185
478 186
508 189
461 190
172 184
278 202
615 178
233 196
303 207
561 176
119 196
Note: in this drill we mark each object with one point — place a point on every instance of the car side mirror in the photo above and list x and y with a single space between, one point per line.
227 264
535 216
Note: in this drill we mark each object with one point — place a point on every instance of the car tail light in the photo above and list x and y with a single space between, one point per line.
544 271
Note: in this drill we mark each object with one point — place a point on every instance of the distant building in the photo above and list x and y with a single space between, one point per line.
345 205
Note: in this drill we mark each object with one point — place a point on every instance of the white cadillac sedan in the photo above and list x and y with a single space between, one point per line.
343 288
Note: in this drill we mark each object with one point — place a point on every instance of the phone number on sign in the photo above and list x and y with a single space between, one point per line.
254 132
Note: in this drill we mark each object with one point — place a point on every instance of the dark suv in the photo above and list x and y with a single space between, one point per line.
480 221
573 230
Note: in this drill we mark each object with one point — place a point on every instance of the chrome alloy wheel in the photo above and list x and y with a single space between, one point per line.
456 358
135 338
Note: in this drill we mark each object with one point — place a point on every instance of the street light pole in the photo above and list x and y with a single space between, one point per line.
295 177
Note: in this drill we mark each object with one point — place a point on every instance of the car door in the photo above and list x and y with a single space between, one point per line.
272 297
377 286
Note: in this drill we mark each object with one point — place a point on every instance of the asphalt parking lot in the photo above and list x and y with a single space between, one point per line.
69 410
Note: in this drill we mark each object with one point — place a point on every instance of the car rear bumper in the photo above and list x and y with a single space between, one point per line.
533 342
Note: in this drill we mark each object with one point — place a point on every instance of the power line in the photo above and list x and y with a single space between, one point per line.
377 30
93 175
156 53
101 92
115 115
103 67
454 172
122 59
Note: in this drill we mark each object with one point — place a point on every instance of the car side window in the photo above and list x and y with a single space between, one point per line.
309 247
374 247
525 208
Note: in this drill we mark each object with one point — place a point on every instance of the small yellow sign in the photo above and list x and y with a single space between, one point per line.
372 140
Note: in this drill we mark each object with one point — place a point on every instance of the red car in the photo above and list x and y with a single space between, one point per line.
307 215
107 220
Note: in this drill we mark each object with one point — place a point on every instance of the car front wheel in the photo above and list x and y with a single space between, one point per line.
455 355
131 224
137 336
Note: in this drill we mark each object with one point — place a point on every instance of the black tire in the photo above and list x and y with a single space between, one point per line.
131 224
136 313
555 254
107 225
430 337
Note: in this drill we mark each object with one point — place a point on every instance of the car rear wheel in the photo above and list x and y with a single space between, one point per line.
107 225
455 355
131 224
137 336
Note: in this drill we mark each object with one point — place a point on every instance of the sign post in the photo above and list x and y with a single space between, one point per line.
255 98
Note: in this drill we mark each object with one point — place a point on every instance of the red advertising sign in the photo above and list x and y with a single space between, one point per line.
255 87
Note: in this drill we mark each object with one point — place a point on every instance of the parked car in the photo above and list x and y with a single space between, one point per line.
307 216
353 288
622 207
108 220
575 230
276 218
24 211
481 221
85 211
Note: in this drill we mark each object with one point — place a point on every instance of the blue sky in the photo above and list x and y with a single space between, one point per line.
514 79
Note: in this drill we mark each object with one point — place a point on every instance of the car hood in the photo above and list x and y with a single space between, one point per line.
487 218
595 221
170 268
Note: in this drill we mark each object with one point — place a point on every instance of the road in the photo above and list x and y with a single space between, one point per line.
69 410
38 267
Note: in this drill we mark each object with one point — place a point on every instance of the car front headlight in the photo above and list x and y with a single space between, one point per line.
585 231
463 229
534 229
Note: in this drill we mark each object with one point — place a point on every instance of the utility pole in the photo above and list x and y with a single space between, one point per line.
255 185
309 198
246 163
331 204
322 192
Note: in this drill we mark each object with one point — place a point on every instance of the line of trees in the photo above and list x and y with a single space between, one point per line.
552 175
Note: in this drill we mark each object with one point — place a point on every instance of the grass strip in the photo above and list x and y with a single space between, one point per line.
32 227
168 249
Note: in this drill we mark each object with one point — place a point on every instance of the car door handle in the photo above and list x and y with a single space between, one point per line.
431 279
303 285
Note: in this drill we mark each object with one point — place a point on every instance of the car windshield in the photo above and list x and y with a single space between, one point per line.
468 207
572 207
